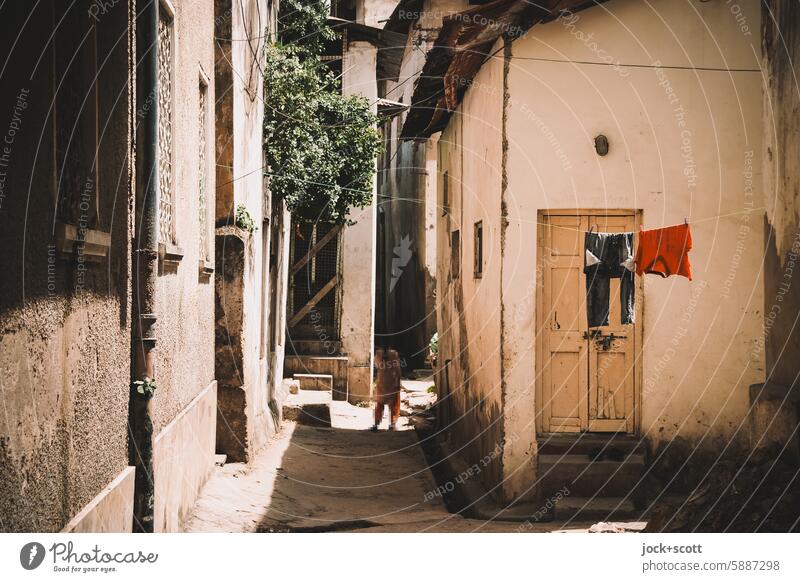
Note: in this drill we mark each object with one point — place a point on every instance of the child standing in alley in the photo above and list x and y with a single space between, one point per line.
388 390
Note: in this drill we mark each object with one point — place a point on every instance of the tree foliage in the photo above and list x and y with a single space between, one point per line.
304 25
320 145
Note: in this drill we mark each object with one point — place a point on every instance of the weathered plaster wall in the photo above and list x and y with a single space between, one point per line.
781 155
470 151
64 321
684 143
249 376
184 297
408 197
374 12
358 246
185 301
183 458
111 511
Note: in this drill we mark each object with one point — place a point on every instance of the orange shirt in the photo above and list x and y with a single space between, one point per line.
665 251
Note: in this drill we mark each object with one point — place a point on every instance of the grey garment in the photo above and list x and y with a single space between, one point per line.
608 256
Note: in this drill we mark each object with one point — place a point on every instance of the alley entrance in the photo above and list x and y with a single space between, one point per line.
587 378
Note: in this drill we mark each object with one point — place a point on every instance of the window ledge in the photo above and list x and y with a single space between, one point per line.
92 245
206 269
170 255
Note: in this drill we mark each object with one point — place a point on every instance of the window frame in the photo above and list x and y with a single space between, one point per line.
455 254
166 12
88 238
170 253
478 249
205 238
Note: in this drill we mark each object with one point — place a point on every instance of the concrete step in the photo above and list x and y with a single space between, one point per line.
314 347
335 366
597 509
583 477
315 381
311 407
590 444
308 414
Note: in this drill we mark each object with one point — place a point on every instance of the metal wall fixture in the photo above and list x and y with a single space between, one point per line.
601 144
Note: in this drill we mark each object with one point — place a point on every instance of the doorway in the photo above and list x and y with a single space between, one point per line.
314 282
587 379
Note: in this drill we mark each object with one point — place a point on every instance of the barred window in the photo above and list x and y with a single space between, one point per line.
202 169
166 201
478 249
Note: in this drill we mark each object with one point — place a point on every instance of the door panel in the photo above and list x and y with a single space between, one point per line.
565 379
587 378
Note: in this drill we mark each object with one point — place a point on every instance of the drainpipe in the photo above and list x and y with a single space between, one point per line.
145 262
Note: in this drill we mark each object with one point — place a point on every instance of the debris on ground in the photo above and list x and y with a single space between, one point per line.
759 494
618 527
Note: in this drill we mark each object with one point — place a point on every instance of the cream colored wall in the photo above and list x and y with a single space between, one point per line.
111 511
358 245
698 356
183 459
700 338
250 189
470 151
374 12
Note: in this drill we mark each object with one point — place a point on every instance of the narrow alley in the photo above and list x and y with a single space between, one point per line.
399 266
325 471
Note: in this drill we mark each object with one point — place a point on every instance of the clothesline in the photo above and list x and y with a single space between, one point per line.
690 221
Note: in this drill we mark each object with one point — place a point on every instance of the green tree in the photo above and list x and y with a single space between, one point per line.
304 25
320 146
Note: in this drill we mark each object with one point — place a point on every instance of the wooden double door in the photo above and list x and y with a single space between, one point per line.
587 379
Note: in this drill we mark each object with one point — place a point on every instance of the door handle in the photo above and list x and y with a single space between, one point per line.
598 333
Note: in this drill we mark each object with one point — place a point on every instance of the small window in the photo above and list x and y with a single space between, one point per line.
445 193
479 249
455 254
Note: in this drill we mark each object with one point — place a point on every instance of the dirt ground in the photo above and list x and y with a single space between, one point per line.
340 477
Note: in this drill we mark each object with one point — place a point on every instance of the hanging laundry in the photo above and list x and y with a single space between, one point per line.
608 256
665 251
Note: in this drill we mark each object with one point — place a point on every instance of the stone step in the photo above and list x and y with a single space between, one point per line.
315 381
583 477
308 414
336 366
314 347
597 509
590 444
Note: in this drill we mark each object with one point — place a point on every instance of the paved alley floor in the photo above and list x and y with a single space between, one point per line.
337 478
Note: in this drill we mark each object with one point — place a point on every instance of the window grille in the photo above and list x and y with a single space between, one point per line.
202 173
166 218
